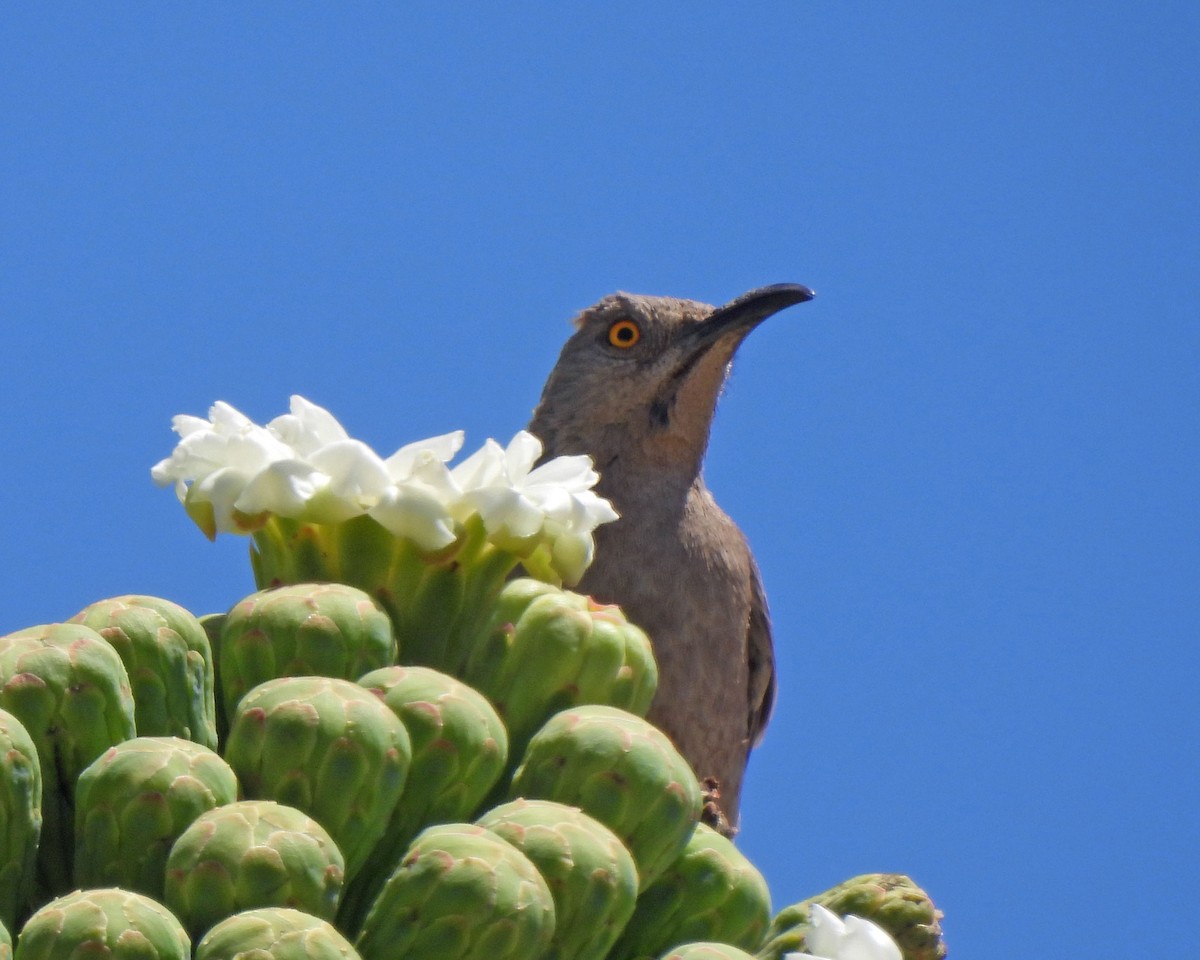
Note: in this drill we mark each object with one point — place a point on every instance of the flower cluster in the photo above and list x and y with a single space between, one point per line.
233 475
853 938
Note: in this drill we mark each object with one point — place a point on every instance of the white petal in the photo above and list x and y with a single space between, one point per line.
573 473
254 449
828 931
356 473
521 454
319 421
162 474
196 456
555 502
289 430
502 510
582 512
416 514
284 487
443 448
865 940
571 556
597 508
485 467
428 471
183 424
227 419
308 427
220 489
445 445
202 447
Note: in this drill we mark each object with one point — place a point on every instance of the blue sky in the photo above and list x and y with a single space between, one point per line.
968 469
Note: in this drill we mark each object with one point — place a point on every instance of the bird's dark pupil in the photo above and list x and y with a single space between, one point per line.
624 333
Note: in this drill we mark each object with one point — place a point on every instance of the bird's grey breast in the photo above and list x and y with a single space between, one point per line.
683 575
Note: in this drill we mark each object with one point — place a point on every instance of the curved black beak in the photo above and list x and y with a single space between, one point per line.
740 316
727 324
751 309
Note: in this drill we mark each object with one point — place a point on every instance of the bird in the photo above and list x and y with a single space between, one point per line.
636 388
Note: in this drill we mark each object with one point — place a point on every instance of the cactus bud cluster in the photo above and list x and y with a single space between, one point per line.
285 781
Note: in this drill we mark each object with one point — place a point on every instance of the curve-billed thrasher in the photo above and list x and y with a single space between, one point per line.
636 388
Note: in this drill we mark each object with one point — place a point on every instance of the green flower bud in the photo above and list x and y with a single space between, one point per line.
108 923
461 893
549 649
70 690
253 853
710 893
459 749
619 769
166 654
20 818
327 747
590 873
134 801
274 933
308 629
890 900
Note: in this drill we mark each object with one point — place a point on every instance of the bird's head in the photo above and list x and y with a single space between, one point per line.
641 376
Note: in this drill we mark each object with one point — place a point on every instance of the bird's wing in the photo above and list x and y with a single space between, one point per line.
760 650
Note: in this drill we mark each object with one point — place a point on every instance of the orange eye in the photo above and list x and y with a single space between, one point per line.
624 333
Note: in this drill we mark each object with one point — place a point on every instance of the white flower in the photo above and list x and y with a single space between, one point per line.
832 938
228 439
232 473
417 503
217 457
490 485
332 477
515 499
336 482
504 487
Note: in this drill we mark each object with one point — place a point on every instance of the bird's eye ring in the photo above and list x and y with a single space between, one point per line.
624 334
